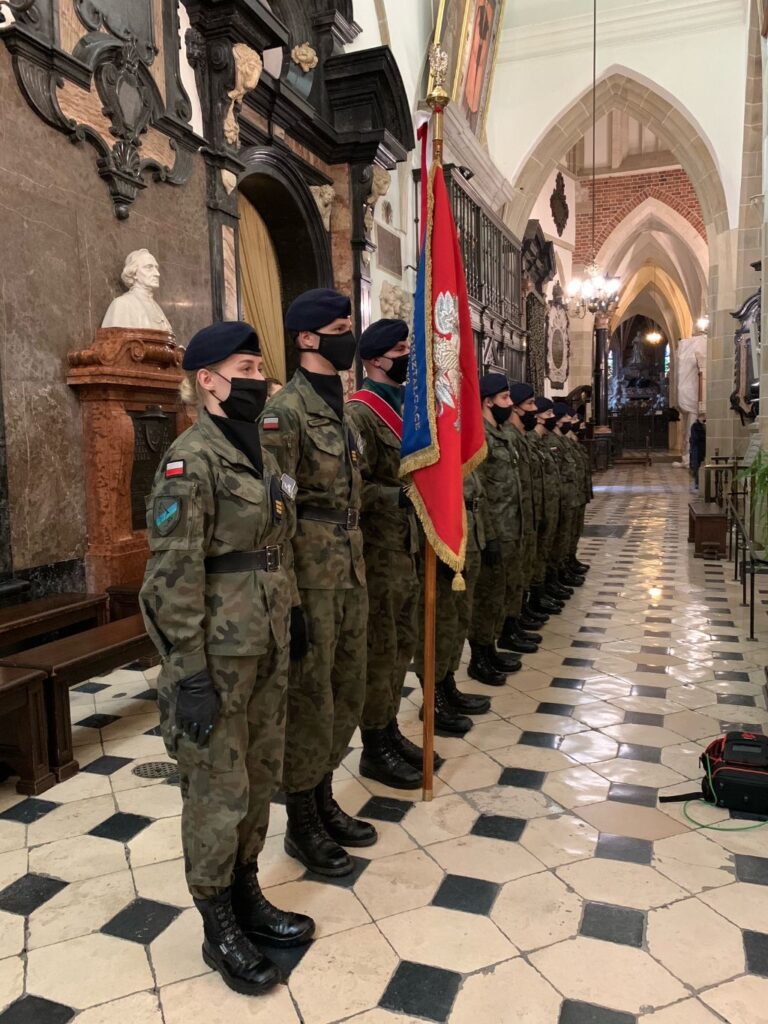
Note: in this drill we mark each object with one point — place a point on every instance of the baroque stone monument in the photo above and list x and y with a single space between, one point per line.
127 382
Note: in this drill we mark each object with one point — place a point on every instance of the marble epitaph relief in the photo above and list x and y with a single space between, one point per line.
558 342
107 73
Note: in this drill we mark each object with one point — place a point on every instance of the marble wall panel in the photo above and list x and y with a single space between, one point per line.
61 268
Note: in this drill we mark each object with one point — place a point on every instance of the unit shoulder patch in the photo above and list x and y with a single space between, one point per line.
175 468
289 486
271 423
166 514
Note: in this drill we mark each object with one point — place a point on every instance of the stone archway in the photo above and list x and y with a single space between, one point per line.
676 129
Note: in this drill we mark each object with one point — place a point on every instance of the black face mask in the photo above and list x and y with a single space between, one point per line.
338 349
246 398
501 413
398 371
565 428
529 420
551 423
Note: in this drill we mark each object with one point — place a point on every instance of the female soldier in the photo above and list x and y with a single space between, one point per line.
217 600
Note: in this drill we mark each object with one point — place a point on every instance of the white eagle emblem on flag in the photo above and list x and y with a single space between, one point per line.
446 354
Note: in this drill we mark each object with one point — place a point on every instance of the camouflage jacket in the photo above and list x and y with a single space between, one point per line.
501 483
476 503
208 500
385 523
538 484
582 455
525 470
549 475
570 471
321 453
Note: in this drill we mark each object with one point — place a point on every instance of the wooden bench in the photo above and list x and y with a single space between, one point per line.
73 660
707 525
32 619
24 730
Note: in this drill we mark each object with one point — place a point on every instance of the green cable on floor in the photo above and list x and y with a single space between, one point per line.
716 828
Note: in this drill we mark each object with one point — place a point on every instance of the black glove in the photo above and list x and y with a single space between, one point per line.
403 501
197 707
299 633
491 553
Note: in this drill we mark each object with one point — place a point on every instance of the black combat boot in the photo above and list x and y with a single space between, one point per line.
556 589
483 668
527 634
580 567
448 721
530 619
229 951
568 579
504 661
510 639
260 920
466 703
382 761
409 751
340 826
307 840
540 602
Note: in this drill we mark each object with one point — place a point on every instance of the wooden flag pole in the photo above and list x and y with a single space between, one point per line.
438 100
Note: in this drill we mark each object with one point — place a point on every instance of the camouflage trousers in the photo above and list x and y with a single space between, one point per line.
393 594
494 590
227 785
545 543
519 579
561 550
452 618
578 529
326 689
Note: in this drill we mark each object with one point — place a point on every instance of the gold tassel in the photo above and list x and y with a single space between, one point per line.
458 583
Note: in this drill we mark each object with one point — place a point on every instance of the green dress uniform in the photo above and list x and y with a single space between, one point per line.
326 688
207 502
570 501
585 490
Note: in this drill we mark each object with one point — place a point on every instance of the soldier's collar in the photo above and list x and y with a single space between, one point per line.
220 444
313 401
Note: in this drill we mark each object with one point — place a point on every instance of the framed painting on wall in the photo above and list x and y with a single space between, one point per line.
469 32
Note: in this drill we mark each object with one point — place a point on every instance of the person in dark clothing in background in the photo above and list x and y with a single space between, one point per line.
698 446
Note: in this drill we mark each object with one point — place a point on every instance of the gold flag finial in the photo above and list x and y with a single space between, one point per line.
438 66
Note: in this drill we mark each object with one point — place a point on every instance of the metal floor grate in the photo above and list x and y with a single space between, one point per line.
158 770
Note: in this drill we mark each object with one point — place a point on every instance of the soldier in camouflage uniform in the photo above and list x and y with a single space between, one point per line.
498 570
307 431
577 434
453 615
516 635
547 594
216 600
571 477
391 547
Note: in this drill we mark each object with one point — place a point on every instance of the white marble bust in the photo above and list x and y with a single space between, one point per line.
137 308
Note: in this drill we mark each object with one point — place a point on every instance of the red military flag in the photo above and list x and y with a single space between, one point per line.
443 434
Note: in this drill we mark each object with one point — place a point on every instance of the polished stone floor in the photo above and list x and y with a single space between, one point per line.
543 885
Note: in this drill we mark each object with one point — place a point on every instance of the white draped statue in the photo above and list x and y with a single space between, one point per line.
137 308
691 364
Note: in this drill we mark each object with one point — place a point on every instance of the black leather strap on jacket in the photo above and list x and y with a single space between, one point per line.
349 518
268 559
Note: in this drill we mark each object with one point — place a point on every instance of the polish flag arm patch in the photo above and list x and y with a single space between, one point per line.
270 423
174 468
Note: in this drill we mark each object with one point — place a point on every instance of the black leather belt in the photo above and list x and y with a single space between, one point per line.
472 505
349 518
269 559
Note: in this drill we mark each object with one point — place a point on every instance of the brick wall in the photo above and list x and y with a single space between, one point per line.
618 196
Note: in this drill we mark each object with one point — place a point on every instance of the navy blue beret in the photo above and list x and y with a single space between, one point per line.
562 409
520 393
492 384
317 308
214 343
544 404
381 337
